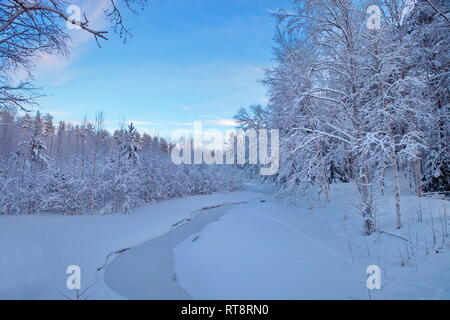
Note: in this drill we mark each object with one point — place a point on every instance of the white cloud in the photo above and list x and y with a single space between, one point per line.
56 68
222 123
182 124
141 123
212 123
56 113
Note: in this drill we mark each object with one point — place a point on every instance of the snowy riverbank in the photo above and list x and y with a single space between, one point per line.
239 245
36 250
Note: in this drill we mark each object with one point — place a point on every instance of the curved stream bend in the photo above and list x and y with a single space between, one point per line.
147 270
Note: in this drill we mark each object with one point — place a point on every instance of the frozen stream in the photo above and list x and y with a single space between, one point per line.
153 277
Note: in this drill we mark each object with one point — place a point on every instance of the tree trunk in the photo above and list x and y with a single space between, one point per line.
367 208
323 173
396 188
383 177
418 177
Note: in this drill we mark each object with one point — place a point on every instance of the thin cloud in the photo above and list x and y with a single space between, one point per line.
211 123
57 67
141 123
56 113
182 124
222 123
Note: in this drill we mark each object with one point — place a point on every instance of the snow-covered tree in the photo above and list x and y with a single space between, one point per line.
129 141
35 148
353 102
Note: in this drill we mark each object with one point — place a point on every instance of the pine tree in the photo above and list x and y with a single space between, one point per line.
36 145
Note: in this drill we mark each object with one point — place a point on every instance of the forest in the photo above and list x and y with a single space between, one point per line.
354 103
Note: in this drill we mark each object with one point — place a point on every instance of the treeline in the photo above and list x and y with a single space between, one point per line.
83 168
354 99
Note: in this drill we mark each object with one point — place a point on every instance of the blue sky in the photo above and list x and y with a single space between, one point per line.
188 60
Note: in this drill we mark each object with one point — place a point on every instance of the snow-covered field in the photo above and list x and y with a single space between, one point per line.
268 250
36 250
260 249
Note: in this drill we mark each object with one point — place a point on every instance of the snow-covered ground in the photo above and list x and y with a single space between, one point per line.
268 250
258 249
252 253
147 270
36 250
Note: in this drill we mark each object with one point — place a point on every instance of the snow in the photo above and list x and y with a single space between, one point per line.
272 251
35 250
263 258
352 114
146 271
237 245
